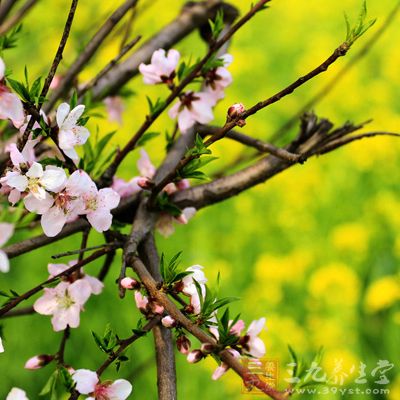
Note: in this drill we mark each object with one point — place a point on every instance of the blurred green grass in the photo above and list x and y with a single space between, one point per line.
315 250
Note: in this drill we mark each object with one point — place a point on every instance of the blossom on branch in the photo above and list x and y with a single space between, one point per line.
87 382
10 105
71 134
193 107
17 394
162 67
6 231
64 302
217 79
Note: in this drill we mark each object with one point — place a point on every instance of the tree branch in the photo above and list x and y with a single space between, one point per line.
91 48
174 312
163 339
17 17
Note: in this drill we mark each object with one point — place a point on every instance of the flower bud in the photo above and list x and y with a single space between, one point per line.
234 111
183 344
168 322
207 348
129 283
182 219
145 183
38 362
156 308
141 301
182 184
195 356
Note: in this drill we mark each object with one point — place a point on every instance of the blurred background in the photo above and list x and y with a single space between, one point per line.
316 250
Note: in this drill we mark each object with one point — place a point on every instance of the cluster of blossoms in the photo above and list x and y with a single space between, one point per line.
87 382
194 285
48 191
192 107
165 222
66 300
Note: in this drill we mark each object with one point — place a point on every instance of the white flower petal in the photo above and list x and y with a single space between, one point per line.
53 221
54 178
36 205
4 262
85 380
17 181
35 171
73 117
62 112
6 231
119 390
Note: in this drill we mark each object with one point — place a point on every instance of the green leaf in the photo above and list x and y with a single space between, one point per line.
20 89
50 385
147 137
360 27
217 25
74 100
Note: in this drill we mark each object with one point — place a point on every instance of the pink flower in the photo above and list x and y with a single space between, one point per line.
21 161
234 111
223 368
10 104
162 67
87 382
124 188
191 108
16 394
237 328
165 222
190 289
115 108
217 79
96 286
254 345
37 181
98 203
6 231
145 166
70 133
57 210
64 302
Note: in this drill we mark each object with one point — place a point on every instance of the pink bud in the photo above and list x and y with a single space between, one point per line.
38 362
183 344
144 183
168 322
194 356
221 370
141 301
235 111
207 348
182 219
157 308
129 283
182 184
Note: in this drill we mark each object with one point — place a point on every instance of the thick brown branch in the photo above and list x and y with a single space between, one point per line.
5 8
163 339
193 16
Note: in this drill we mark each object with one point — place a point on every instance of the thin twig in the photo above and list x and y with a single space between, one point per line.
5 8
53 69
89 51
14 302
113 245
17 17
108 67
364 50
120 156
